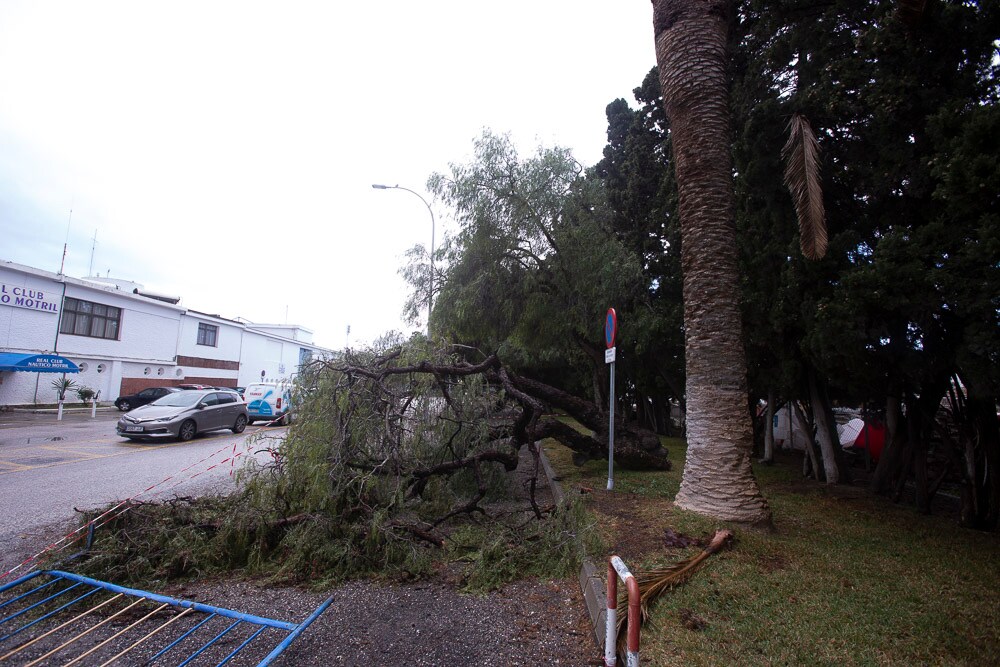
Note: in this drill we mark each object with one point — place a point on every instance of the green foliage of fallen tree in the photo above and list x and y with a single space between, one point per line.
393 450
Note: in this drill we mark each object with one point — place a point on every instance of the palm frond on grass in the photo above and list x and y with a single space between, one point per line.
654 583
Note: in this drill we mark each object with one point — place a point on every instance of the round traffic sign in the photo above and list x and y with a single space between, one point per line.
610 328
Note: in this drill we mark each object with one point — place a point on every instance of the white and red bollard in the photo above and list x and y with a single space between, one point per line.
617 568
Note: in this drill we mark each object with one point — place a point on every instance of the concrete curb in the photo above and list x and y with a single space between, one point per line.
47 411
591 578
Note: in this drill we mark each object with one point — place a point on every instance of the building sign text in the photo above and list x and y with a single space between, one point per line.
25 297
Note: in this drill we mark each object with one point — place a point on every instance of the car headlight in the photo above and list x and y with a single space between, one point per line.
164 419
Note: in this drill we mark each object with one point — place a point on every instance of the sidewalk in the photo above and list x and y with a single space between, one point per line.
591 579
52 408
27 415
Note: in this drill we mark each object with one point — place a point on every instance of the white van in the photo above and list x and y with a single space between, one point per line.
269 401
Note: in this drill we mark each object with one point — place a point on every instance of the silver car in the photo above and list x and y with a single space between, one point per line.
184 414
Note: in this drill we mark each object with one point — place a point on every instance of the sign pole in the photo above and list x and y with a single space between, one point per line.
611 432
610 331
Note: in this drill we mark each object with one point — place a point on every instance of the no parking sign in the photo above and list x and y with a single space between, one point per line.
610 328
610 332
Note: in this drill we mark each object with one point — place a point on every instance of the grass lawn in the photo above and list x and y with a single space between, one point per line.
845 579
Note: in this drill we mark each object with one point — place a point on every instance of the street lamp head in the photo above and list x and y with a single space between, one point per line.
430 280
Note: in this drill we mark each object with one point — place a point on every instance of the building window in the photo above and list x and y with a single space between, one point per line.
86 318
208 334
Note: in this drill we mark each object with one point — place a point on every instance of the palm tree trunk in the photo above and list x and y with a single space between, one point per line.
691 51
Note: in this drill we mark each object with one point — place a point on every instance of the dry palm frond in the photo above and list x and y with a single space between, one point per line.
654 583
801 154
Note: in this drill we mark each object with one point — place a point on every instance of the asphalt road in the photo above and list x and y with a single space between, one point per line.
49 468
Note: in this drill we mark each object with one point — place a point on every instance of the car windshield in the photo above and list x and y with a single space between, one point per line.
180 399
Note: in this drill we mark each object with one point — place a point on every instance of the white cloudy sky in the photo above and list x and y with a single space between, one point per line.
224 151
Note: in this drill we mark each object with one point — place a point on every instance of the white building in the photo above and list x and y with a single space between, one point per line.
124 338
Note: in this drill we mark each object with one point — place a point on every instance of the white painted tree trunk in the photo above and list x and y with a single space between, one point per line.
769 429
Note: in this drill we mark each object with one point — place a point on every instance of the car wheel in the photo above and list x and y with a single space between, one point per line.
240 425
124 406
187 430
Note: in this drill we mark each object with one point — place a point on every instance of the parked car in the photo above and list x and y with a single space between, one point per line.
270 402
184 414
194 386
126 403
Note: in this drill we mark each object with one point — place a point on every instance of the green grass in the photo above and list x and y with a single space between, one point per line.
845 579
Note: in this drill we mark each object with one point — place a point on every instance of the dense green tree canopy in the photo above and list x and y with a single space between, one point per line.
534 264
903 103
889 98
903 99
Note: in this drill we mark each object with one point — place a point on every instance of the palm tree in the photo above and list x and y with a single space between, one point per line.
691 51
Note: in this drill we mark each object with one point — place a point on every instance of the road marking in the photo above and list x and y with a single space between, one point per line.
132 448
66 450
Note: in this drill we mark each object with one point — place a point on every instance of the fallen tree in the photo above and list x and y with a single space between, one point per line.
395 453
532 404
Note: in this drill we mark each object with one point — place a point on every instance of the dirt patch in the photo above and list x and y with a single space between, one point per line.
367 623
636 524
530 622
772 563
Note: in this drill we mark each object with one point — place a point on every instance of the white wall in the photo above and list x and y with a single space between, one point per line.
19 388
97 374
260 353
147 334
25 329
277 357
152 334
292 331
228 340
146 345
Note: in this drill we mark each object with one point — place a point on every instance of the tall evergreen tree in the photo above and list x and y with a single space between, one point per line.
642 198
895 96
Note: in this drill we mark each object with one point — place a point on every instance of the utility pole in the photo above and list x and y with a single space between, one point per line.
62 264
93 246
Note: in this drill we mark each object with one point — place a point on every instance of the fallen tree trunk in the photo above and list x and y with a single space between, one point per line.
635 447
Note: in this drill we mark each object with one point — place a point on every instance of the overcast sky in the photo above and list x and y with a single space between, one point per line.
224 152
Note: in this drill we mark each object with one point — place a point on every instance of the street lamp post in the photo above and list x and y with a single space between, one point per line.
430 285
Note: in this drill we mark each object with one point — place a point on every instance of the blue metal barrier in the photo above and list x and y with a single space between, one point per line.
25 604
